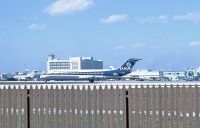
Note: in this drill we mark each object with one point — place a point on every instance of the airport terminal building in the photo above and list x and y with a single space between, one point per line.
55 65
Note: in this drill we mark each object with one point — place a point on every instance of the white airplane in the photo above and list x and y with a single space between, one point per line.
34 75
92 75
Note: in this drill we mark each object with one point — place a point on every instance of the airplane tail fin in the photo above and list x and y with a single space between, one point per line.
128 65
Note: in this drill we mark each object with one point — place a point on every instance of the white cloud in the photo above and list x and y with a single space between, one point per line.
136 45
156 46
67 6
114 18
194 17
37 26
154 19
119 47
194 44
130 46
30 18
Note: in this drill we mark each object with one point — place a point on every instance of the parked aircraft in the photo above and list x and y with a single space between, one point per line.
27 76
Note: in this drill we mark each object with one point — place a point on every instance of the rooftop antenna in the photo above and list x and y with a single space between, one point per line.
51 56
25 67
26 70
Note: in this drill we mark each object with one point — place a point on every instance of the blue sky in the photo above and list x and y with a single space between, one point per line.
165 34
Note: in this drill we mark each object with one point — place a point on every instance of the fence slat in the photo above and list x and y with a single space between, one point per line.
196 106
130 107
105 107
9 107
46 107
21 107
100 107
62 107
190 106
3 107
165 107
177 107
95 104
6 107
83 117
57 107
89 95
67 94
172 107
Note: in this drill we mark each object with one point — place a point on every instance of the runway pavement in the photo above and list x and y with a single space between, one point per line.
100 83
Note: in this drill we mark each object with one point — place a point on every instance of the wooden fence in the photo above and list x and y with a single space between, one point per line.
100 107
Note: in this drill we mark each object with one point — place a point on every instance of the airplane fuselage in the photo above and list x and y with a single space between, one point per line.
85 75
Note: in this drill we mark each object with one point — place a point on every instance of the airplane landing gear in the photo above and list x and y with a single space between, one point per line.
91 80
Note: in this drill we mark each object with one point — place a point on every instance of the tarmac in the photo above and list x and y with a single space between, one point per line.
48 84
